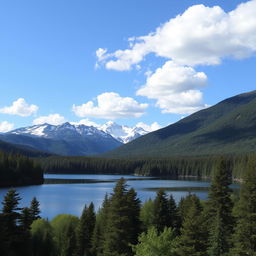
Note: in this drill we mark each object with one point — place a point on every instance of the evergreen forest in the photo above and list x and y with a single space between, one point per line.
223 225
19 170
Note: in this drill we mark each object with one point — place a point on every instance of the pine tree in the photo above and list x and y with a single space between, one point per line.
162 216
193 238
10 217
25 221
245 230
220 206
34 209
134 228
117 237
100 228
85 230
147 214
173 213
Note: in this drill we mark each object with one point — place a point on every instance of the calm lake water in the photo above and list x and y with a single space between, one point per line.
70 198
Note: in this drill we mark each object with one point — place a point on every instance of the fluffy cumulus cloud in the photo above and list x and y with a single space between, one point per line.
86 122
54 119
175 88
6 126
20 107
149 127
201 35
111 105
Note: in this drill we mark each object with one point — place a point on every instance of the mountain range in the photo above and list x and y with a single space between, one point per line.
228 127
73 139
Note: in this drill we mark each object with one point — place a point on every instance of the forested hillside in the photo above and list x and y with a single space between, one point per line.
22 150
226 128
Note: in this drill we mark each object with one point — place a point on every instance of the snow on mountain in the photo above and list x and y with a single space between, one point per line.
122 133
65 130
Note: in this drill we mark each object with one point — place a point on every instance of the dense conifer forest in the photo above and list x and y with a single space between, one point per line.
17 170
222 225
201 166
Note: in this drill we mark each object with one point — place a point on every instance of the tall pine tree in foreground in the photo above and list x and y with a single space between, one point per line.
220 211
118 236
11 240
85 231
162 216
100 228
193 238
245 230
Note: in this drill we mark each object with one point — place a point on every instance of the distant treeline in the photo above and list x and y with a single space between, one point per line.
171 167
18 170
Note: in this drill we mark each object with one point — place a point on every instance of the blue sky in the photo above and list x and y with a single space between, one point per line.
127 61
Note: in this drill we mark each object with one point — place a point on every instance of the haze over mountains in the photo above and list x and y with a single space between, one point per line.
229 127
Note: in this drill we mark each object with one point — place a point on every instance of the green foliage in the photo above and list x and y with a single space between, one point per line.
100 228
152 243
193 228
162 216
173 212
193 238
34 209
25 219
220 208
121 226
85 231
15 224
64 228
42 238
10 217
147 214
16 170
245 231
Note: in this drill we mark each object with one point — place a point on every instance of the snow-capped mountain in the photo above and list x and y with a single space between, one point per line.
74 139
63 131
122 133
65 139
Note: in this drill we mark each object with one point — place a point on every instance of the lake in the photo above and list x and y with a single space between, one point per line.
71 192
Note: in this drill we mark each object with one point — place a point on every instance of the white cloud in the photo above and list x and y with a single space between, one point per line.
182 103
54 119
201 35
175 88
149 128
111 105
6 126
101 54
86 122
20 107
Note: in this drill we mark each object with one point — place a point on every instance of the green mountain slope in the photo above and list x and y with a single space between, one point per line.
226 128
21 150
